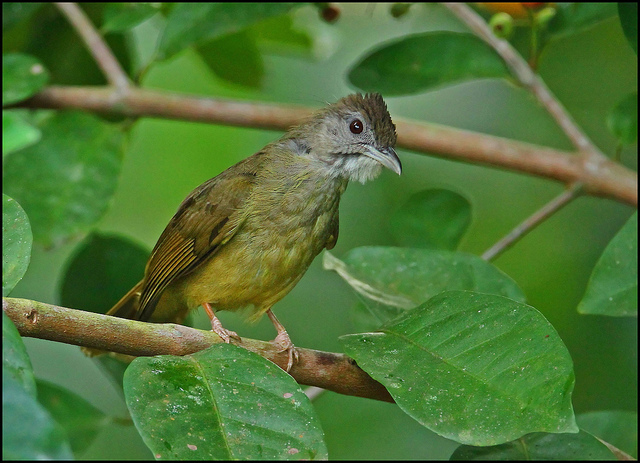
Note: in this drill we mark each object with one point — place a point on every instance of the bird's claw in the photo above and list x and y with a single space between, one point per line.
283 342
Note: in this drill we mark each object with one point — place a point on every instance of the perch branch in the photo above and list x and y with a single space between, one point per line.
327 370
604 178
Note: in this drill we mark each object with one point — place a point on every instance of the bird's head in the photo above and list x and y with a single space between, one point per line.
353 138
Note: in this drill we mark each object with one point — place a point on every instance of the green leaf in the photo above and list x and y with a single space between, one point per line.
16 244
16 364
28 431
278 34
540 446
221 403
476 368
66 181
14 12
101 271
22 76
616 427
67 59
571 18
196 23
406 277
16 132
613 286
423 61
80 420
234 58
119 17
435 219
628 14
623 119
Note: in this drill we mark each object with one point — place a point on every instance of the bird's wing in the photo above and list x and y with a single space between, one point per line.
333 236
205 220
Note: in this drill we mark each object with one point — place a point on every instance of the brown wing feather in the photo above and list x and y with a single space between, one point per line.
333 236
205 220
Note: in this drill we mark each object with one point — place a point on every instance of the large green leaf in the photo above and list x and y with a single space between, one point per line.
57 45
616 427
16 244
476 368
571 18
434 219
80 420
539 446
197 23
613 286
14 12
28 431
17 133
22 77
406 277
222 403
623 119
421 62
628 14
234 58
101 271
15 361
121 16
66 181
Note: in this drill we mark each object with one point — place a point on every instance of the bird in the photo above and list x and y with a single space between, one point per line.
245 238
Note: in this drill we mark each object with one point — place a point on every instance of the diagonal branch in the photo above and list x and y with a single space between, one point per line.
327 370
533 221
605 178
96 45
527 77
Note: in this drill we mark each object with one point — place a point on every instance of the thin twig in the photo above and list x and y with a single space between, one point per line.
529 79
327 370
98 48
533 221
608 179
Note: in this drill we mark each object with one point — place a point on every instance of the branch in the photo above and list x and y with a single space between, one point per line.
327 370
94 42
527 77
605 178
533 221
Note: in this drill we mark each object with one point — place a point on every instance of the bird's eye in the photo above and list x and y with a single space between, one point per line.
356 126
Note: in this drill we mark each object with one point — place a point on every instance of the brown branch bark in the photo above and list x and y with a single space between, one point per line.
603 178
327 370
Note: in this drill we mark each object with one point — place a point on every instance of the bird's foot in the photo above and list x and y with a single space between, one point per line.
217 328
283 342
224 333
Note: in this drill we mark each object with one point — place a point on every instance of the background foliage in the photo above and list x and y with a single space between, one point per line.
95 192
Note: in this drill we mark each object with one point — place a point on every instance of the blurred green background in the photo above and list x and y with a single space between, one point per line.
589 73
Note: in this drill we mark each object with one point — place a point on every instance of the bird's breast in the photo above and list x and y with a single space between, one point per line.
282 231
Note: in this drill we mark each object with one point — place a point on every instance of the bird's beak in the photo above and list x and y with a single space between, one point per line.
387 157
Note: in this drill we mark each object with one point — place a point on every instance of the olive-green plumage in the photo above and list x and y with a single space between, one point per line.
247 236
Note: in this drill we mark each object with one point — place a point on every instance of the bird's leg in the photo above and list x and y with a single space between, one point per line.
283 340
216 325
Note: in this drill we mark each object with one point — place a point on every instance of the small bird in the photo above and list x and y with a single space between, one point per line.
247 236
